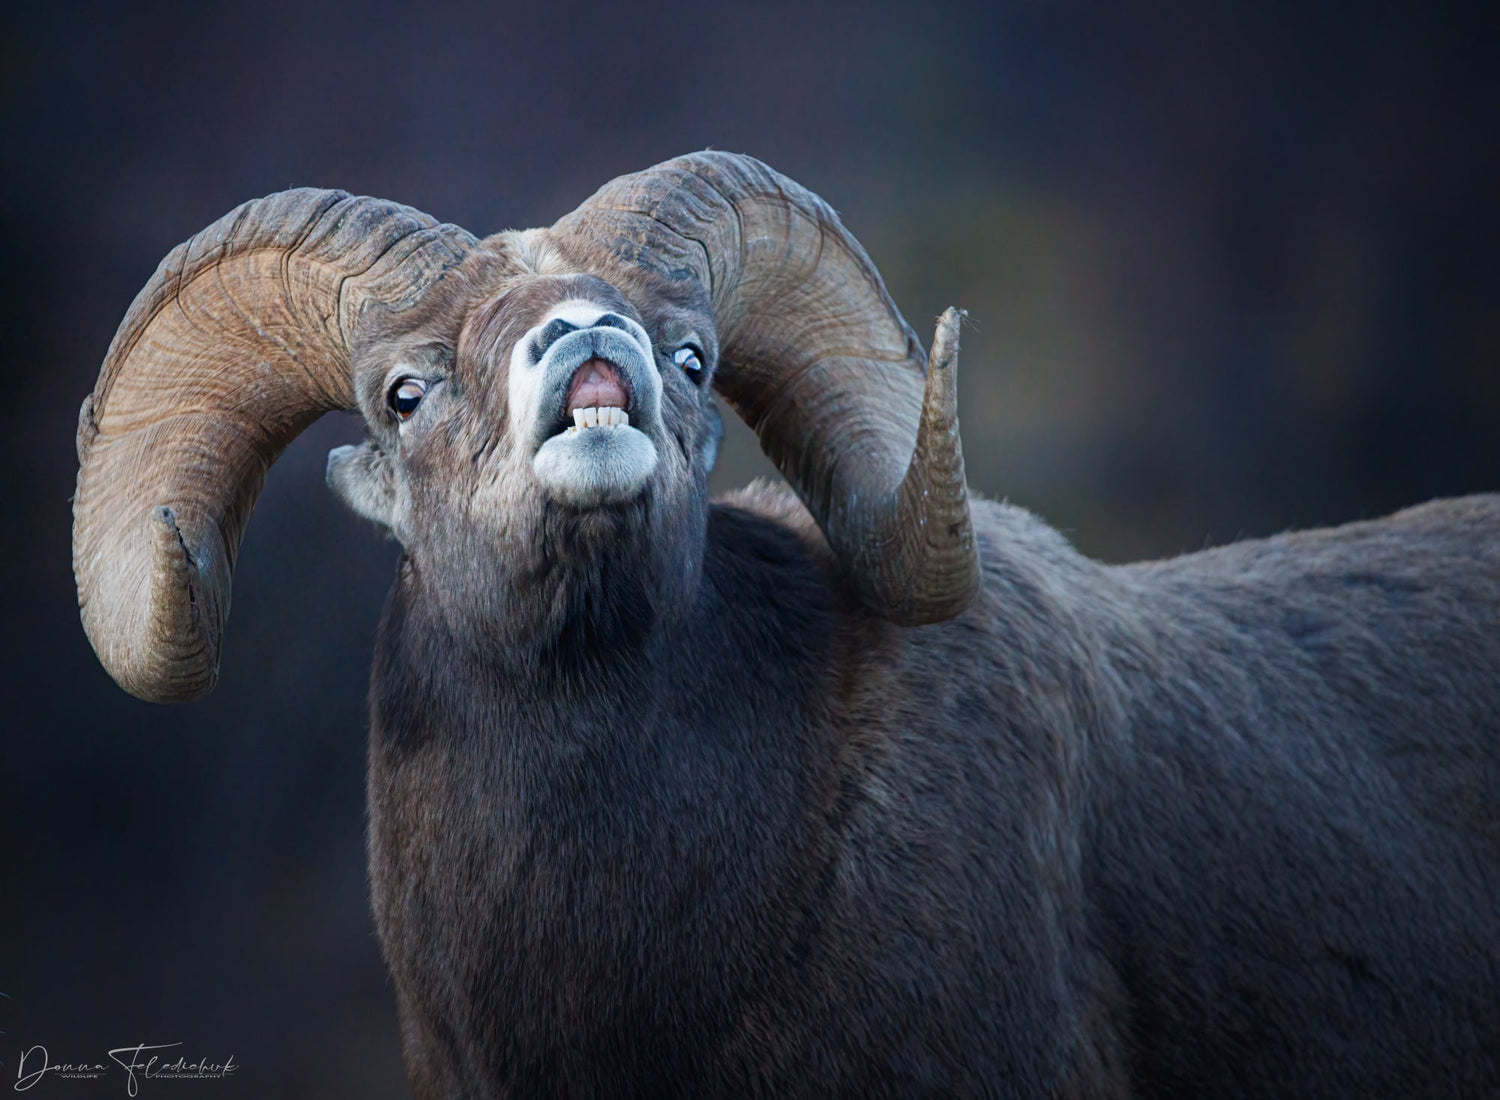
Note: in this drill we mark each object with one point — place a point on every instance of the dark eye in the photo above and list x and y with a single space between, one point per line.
406 395
689 359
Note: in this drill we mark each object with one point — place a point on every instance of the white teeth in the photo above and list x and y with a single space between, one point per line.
606 417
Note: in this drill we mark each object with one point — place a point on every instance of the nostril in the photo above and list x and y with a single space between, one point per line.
550 335
612 320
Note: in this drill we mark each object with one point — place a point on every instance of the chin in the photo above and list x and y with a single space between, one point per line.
596 466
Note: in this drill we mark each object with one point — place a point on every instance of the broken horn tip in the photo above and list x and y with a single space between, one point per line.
945 341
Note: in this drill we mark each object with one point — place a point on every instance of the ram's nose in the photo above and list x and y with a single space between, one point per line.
559 327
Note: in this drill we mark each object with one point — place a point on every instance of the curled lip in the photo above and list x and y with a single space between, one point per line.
619 357
608 456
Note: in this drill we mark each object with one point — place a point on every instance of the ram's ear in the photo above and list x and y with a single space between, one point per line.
713 436
362 477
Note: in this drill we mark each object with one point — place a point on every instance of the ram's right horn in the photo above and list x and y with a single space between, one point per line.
238 343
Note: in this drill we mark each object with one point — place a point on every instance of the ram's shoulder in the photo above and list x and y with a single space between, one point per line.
766 518
769 588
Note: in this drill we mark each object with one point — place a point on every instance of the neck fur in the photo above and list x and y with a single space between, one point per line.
577 593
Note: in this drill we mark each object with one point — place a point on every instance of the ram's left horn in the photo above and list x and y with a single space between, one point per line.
816 358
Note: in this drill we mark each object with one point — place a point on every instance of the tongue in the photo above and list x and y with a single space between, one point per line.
596 384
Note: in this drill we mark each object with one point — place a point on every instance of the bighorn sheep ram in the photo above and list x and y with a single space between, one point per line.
882 791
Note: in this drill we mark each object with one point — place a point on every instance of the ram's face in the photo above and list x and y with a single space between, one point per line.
561 397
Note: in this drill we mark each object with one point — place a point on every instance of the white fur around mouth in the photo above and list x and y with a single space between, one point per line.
601 457
604 417
589 466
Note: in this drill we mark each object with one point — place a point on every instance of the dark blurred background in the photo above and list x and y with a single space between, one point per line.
1232 271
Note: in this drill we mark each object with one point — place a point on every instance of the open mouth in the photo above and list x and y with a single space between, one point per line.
593 400
598 397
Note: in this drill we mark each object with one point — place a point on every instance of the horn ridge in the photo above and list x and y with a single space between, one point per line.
816 358
236 344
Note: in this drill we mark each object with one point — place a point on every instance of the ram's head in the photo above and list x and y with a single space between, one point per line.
546 388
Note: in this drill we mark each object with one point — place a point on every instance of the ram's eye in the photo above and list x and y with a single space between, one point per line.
689 359
406 395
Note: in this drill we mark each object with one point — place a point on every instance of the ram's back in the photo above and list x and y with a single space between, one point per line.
1296 824
1376 642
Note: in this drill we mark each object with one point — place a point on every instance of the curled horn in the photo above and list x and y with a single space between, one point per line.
816 358
239 342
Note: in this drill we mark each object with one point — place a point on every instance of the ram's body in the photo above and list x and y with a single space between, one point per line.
855 790
1225 825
